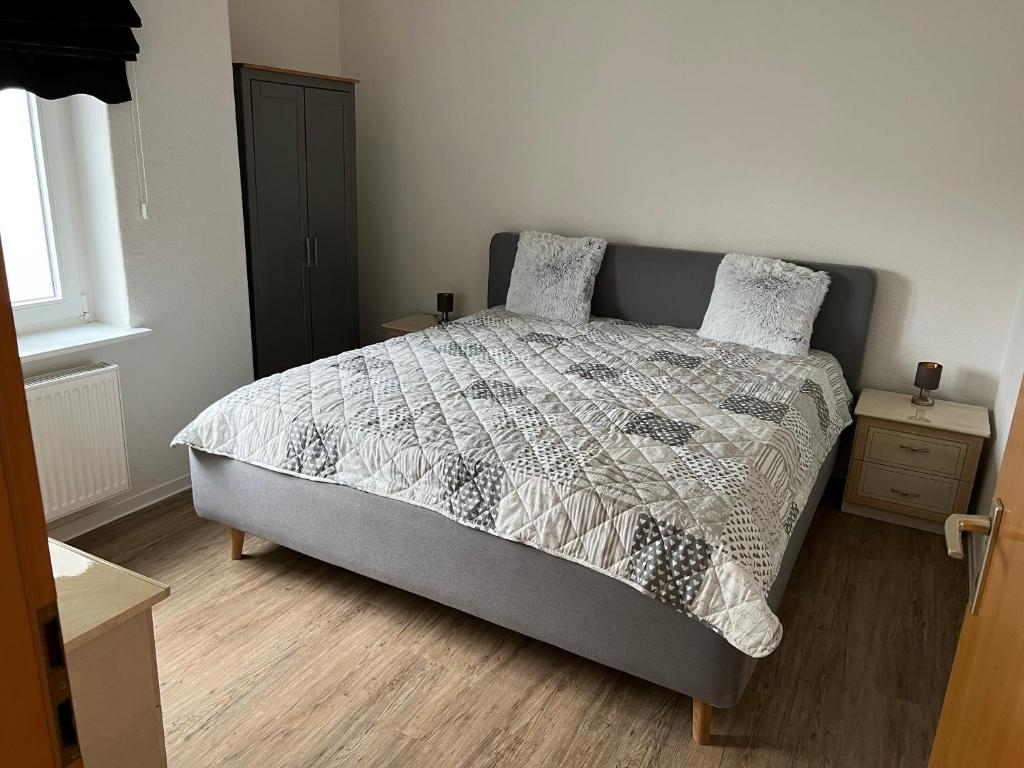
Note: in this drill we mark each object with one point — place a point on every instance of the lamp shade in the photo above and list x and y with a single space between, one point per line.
445 302
928 375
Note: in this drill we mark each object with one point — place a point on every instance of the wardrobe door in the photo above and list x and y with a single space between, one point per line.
330 184
277 228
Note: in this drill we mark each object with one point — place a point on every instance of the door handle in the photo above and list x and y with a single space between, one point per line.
307 259
957 525
316 251
987 525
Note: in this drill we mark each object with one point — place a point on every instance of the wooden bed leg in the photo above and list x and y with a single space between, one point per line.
237 539
701 722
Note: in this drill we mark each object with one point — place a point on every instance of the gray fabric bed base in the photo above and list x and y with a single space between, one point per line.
556 601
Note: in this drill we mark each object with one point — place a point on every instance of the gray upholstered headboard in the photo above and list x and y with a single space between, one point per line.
673 287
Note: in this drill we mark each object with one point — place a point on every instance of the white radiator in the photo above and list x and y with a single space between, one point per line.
78 431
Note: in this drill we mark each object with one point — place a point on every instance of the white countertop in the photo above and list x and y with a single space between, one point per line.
93 595
412 323
946 415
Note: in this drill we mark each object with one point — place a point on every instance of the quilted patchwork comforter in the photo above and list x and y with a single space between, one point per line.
672 463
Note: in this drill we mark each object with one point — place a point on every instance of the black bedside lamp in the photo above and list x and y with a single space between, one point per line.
445 304
927 379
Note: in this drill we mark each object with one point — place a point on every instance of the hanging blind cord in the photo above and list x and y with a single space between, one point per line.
140 152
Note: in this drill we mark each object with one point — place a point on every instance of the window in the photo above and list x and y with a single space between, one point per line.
37 211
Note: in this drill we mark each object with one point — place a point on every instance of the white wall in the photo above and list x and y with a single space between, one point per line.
297 34
1010 381
876 134
185 265
882 134
99 224
1005 401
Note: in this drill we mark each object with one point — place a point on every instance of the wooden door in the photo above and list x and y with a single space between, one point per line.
37 725
330 183
982 722
277 226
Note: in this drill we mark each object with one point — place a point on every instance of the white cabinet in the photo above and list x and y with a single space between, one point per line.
107 623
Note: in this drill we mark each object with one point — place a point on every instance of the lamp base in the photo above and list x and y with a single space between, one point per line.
923 399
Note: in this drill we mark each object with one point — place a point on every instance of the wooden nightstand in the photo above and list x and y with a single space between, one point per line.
106 613
913 466
410 324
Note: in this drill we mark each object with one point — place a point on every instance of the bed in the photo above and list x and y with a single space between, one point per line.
627 491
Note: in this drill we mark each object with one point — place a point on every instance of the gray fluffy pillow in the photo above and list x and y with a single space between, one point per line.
553 276
766 303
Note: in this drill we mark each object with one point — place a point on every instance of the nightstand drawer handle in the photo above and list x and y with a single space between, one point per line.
914 449
906 494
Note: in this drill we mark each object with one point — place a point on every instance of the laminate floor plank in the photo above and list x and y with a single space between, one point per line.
279 660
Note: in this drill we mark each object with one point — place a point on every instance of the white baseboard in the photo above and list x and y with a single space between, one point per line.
76 524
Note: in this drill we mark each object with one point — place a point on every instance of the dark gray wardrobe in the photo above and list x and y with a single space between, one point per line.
296 136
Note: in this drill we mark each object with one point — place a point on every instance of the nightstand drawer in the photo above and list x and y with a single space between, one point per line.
928 454
927 492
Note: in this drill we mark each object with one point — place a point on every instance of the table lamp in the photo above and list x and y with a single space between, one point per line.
927 379
445 304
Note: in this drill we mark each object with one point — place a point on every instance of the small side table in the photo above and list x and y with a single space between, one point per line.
107 622
410 324
910 465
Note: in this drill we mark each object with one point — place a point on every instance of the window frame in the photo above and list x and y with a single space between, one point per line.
56 167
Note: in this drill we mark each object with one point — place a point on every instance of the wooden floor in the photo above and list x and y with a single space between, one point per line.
279 660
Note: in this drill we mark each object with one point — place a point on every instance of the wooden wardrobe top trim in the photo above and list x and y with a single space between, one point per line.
298 72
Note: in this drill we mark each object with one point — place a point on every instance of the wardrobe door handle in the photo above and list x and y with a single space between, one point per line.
316 251
306 257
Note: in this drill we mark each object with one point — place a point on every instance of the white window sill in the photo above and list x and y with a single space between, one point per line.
40 345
